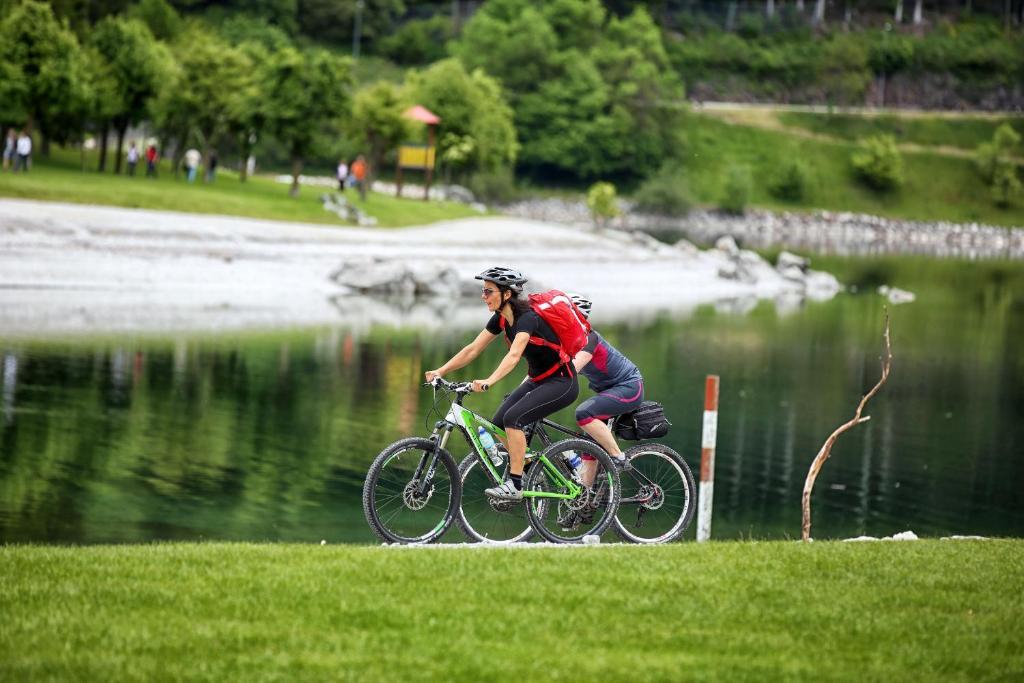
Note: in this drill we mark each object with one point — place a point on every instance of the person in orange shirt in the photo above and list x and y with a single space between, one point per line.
359 173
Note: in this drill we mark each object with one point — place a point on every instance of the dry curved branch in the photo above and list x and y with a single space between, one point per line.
826 449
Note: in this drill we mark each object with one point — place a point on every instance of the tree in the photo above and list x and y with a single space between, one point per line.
138 66
591 96
377 120
471 105
161 19
247 113
819 13
333 21
888 55
305 93
210 75
43 66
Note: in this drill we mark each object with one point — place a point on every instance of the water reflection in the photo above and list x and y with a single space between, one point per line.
268 436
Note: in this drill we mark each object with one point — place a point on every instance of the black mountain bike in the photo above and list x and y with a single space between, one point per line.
413 489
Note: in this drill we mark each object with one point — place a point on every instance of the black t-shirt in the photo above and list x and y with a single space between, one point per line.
539 358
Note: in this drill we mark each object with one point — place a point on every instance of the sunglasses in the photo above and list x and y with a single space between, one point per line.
487 291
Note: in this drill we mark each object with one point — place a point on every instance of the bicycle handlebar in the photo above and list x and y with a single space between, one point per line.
457 387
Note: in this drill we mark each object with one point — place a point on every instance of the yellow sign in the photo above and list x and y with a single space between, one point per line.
415 156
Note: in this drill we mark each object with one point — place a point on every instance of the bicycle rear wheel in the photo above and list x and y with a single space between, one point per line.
659 496
406 506
590 513
486 520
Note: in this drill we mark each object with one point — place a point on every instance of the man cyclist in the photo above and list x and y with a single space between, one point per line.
551 385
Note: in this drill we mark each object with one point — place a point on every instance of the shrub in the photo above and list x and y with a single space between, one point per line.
1005 184
738 187
878 163
791 183
991 155
497 186
601 202
666 193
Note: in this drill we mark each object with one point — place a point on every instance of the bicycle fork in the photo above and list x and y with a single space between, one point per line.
439 437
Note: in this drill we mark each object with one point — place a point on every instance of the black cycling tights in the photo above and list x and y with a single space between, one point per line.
532 401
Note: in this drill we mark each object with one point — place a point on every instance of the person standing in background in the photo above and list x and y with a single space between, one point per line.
151 158
133 159
24 150
342 175
359 173
192 159
9 145
211 166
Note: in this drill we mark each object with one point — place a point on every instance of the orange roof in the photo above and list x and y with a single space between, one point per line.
422 114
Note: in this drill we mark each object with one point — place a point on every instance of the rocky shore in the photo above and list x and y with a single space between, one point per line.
68 269
823 232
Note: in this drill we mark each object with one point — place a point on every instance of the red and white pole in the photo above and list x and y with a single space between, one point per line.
709 436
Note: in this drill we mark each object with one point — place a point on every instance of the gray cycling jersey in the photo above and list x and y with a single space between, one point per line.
608 367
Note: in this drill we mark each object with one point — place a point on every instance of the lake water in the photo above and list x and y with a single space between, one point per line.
267 436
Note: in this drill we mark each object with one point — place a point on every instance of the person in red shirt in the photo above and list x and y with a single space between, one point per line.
151 158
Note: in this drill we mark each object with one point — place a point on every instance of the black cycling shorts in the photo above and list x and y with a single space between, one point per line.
532 401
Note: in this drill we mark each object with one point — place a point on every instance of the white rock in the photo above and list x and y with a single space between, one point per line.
895 295
788 260
727 244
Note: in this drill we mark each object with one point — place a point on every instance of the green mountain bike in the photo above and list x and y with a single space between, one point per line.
656 505
413 490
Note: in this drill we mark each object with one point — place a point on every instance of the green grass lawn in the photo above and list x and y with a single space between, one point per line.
937 187
828 611
961 131
61 179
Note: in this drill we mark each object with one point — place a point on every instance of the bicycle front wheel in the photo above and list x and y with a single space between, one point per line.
564 520
658 495
411 492
486 520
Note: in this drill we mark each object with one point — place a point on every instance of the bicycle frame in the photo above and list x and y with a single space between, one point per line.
466 421
537 429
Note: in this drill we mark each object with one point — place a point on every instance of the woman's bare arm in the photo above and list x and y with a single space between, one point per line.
465 356
508 363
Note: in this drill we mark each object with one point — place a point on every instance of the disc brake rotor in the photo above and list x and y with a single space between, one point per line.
652 495
413 499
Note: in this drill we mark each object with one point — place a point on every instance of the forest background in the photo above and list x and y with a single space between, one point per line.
561 93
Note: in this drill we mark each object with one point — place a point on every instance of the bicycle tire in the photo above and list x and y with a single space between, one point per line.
538 480
371 497
485 521
672 465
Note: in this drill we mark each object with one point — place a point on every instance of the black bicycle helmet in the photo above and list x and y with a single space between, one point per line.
504 277
582 303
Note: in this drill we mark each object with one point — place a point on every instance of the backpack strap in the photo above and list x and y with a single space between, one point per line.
563 357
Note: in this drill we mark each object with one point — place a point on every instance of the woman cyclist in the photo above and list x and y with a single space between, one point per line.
619 387
551 385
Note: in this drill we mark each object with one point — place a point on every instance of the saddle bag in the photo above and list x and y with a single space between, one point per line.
646 422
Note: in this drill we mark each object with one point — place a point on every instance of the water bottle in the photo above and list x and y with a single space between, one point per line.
490 447
573 459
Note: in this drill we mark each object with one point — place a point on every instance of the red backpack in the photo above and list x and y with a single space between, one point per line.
565 319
